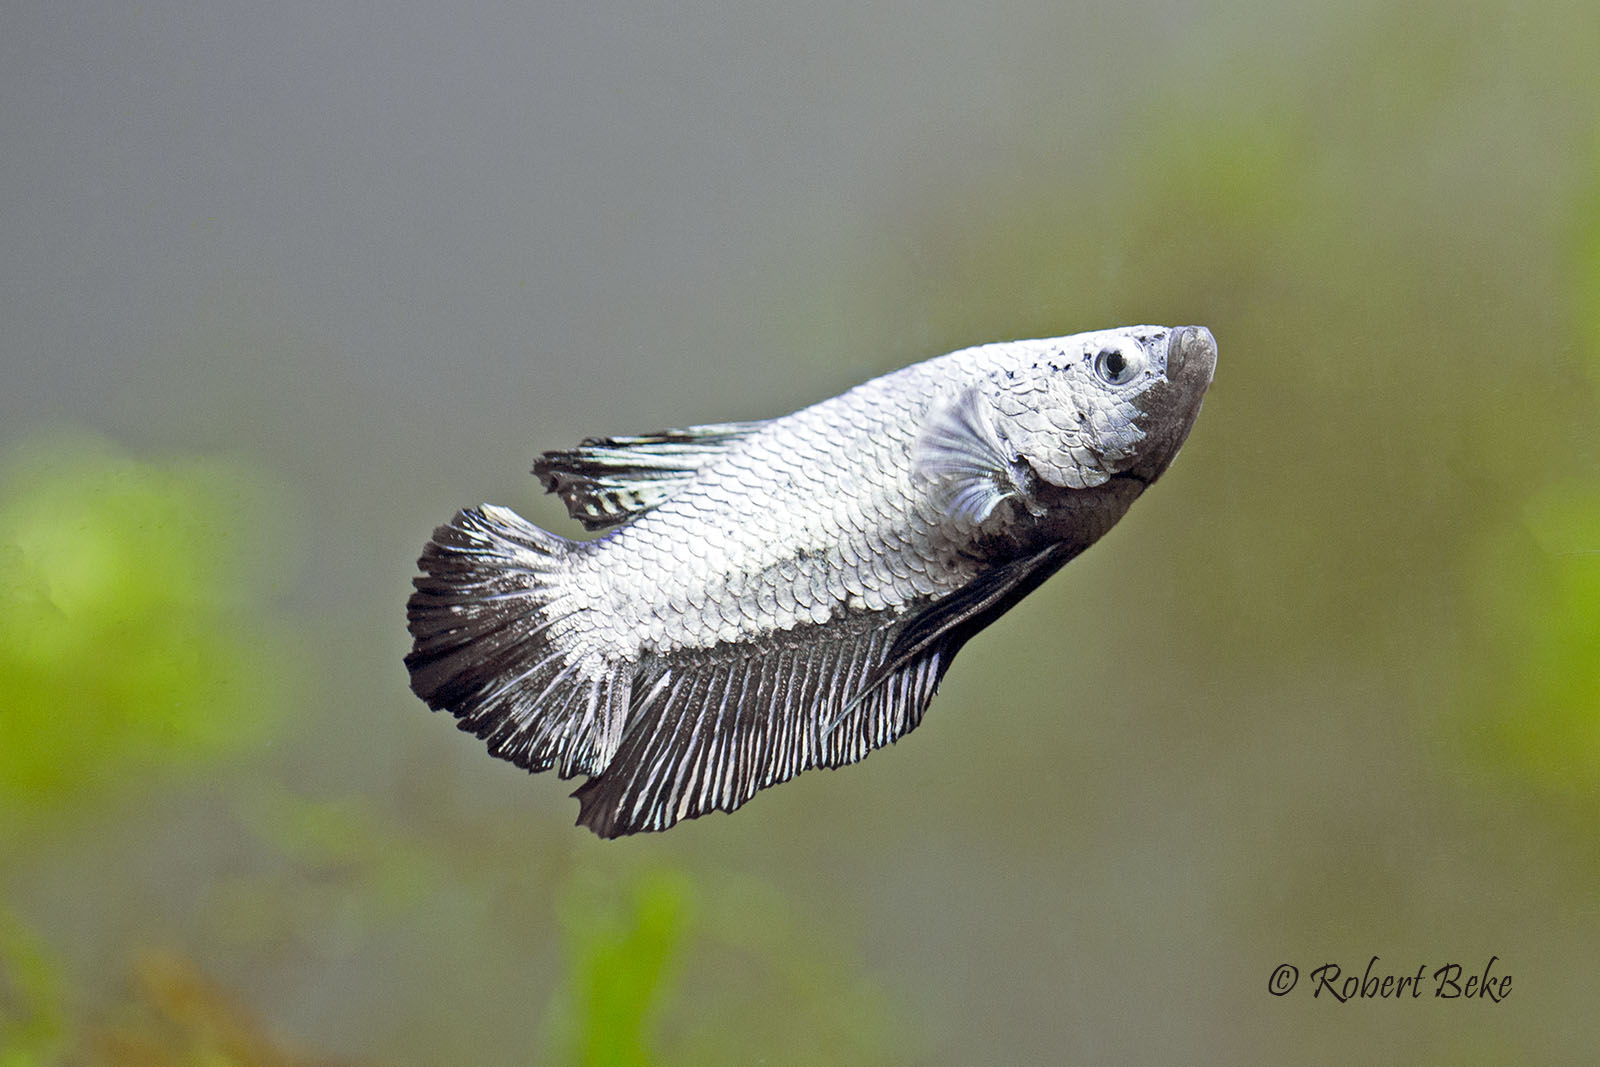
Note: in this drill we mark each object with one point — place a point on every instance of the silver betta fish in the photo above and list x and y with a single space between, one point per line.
778 595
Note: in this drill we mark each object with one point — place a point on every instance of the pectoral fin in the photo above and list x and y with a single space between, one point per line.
961 450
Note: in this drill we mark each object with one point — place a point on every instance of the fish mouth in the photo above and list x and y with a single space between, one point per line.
1170 406
1191 364
1191 353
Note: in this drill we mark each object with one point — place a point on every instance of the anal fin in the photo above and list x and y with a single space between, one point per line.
711 727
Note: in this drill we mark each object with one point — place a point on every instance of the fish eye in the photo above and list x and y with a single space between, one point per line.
1120 363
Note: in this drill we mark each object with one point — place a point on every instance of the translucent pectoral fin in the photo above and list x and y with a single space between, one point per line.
964 454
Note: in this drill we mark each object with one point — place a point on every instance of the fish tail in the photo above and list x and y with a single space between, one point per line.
500 642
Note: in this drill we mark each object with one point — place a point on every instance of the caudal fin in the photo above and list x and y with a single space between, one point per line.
499 644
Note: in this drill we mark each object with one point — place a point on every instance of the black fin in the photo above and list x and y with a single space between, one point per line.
949 623
491 648
710 728
608 480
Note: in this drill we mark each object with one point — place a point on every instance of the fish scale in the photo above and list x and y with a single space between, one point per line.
777 595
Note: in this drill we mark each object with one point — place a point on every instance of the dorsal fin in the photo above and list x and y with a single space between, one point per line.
609 480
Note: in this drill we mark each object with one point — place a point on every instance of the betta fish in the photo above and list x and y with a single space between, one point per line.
776 595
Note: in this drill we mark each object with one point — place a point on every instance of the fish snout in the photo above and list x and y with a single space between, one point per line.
1194 348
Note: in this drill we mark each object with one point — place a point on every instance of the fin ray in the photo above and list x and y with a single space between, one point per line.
610 480
488 646
960 448
739 718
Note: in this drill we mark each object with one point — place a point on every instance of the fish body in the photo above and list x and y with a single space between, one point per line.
772 596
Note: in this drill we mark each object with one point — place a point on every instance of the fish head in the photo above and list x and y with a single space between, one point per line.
1110 404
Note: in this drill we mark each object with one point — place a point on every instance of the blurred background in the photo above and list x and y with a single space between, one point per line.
284 285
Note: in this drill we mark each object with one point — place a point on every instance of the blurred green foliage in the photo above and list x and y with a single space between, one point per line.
1531 688
786 988
129 593
764 987
33 1024
132 652
1539 627
623 946
646 949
